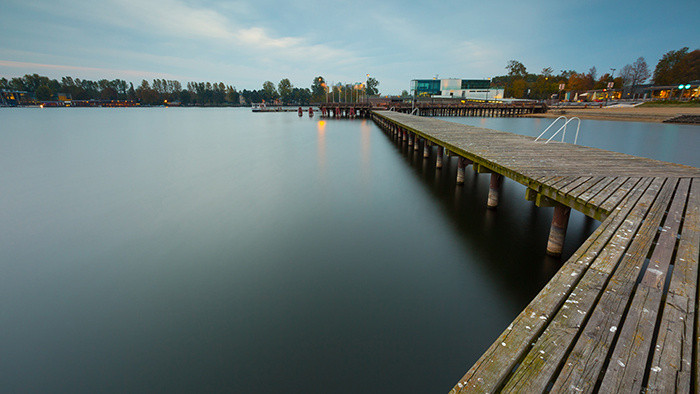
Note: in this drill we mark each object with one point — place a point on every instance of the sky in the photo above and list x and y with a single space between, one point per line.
244 43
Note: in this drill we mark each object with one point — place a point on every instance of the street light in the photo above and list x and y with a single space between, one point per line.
367 86
613 82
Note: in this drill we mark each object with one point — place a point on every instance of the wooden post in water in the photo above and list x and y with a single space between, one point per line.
461 165
438 161
494 190
411 137
426 149
416 142
557 232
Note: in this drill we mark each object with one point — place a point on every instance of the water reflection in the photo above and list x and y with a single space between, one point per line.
365 150
511 239
321 147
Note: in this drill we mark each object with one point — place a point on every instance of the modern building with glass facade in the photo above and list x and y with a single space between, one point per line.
472 89
425 86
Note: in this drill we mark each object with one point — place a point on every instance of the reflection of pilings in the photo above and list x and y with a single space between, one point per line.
410 145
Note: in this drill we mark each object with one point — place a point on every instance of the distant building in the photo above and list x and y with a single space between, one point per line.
65 97
469 89
15 97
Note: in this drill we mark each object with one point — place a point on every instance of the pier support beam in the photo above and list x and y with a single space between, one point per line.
461 165
438 161
416 143
411 138
557 232
494 190
426 149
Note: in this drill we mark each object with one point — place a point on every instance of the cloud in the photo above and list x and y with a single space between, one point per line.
259 37
25 66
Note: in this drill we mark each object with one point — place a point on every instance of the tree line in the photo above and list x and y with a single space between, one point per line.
160 91
675 67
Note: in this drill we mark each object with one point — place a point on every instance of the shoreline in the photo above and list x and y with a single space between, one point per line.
633 114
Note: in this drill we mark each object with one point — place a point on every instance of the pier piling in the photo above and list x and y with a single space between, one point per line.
557 232
494 190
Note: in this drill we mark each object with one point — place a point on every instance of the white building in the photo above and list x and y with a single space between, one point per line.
468 89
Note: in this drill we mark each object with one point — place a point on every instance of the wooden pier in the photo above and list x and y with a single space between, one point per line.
621 315
483 109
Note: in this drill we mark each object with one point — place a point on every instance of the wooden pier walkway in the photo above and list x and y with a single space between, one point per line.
439 108
621 315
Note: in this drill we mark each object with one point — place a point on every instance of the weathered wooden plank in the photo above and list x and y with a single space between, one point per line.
618 195
619 182
628 362
545 357
565 189
585 186
671 367
495 364
593 191
584 364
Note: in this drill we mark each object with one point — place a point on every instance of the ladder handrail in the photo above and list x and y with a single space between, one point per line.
548 127
578 126
563 127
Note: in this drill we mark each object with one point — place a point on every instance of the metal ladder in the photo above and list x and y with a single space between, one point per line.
566 122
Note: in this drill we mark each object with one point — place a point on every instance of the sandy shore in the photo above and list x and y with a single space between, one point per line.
633 114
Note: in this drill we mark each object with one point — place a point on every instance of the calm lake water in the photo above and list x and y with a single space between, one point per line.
201 249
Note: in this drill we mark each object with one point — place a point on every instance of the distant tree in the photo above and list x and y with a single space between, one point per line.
626 75
404 94
231 95
17 84
691 67
579 82
676 67
109 93
592 73
602 82
131 93
566 74
547 72
372 87
43 93
318 89
4 83
301 95
667 71
285 90
518 88
269 92
147 95
640 71
516 69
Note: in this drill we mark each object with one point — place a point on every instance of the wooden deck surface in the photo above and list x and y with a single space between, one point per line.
621 314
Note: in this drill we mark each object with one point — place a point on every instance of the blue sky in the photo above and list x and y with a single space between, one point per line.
244 43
